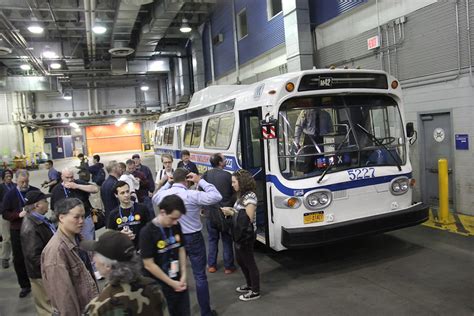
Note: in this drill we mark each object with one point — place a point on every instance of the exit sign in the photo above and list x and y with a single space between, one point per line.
373 42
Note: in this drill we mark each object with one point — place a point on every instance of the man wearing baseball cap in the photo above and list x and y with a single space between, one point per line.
36 231
127 291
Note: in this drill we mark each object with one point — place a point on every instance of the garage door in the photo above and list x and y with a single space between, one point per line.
111 138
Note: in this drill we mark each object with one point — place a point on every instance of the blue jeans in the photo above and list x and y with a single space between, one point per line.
228 251
88 232
149 206
196 251
88 229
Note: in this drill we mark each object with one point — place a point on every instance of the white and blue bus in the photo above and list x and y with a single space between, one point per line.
353 178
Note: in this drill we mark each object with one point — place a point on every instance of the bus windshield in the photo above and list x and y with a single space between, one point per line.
333 133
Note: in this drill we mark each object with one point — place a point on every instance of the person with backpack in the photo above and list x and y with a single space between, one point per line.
242 216
97 170
84 173
215 219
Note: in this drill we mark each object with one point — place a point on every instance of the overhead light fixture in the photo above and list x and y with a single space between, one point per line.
49 54
35 29
144 88
120 121
74 125
185 28
25 67
67 96
65 121
55 65
99 29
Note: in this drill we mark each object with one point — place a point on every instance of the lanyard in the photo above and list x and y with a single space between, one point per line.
22 198
44 220
9 186
66 192
131 217
169 240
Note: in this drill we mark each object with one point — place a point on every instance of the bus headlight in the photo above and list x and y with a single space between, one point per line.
317 199
399 185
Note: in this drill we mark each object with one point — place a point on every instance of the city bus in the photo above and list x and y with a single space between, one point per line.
345 176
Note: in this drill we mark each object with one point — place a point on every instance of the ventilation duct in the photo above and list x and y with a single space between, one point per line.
18 83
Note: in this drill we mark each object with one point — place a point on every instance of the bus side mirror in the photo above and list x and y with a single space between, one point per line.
410 130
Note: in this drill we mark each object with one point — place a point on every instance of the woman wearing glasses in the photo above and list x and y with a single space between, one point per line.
243 232
166 173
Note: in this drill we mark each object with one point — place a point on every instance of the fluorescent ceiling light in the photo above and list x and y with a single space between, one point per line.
120 121
55 65
74 125
99 29
25 67
65 121
49 54
35 29
144 88
77 129
67 96
185 28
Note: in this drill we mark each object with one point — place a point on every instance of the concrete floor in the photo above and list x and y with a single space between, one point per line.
414 271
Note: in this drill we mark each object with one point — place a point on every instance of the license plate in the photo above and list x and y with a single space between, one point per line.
313 217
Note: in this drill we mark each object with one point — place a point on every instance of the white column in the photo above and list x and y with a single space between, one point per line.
299 45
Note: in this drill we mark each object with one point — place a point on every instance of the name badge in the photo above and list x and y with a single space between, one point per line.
174 269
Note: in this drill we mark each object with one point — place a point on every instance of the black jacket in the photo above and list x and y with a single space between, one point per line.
107 195
191 166
35 234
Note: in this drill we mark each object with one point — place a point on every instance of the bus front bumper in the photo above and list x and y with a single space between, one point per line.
314 236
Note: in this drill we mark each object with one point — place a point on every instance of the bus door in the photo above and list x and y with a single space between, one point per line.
251 153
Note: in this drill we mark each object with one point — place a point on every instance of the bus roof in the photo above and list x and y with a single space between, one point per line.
220 93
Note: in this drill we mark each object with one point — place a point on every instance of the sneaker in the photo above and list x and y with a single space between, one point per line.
98 276
250 296
243 289
5 263
24 292
211 269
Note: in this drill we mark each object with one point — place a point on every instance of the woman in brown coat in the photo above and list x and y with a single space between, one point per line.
66 269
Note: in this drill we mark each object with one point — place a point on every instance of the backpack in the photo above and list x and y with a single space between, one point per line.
99 177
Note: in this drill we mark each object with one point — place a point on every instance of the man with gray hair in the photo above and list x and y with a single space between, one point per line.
82 190
13 211
107 189
127 291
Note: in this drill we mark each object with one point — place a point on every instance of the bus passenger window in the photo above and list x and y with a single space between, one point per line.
188 134
219 132
224 135
196 135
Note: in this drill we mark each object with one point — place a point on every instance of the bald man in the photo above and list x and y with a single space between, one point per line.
71 187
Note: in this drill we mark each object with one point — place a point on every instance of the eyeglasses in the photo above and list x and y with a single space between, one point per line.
167 162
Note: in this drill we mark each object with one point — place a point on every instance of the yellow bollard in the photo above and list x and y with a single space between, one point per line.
443 212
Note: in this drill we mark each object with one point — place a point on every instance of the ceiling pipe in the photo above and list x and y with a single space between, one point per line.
22 44
87 16
93 5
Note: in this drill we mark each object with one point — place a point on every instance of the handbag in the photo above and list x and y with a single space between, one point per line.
98 217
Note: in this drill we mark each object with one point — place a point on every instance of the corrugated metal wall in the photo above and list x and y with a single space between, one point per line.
263 35
324 10
429 45
221 22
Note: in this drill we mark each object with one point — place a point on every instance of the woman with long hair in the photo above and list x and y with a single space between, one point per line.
243 231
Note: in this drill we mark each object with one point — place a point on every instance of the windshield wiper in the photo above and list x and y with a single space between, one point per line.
331 164
379 143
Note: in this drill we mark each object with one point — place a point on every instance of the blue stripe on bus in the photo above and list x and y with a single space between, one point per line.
334 187
231 165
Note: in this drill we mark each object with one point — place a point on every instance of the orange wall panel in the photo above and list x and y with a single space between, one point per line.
111 138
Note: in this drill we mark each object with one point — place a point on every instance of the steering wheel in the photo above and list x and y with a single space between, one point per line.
387 140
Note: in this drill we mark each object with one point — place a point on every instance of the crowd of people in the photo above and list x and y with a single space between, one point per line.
151 230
